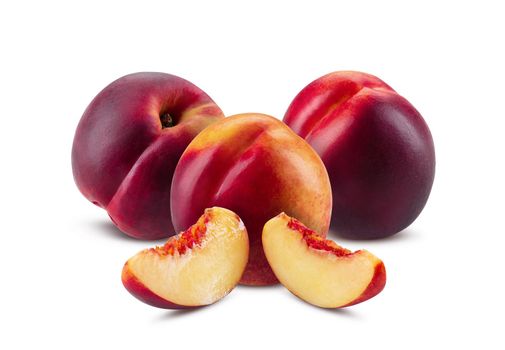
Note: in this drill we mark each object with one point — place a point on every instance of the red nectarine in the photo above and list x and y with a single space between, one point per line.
128 143
256 166
377 149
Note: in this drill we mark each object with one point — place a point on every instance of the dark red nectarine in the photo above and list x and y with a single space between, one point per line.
377 149
128 143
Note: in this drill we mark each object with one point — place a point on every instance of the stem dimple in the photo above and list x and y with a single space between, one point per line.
166 120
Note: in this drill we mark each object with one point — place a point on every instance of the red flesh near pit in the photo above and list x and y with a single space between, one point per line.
315 241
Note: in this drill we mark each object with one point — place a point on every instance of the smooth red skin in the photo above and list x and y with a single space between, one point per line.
122 159
203 179
377 148
255 184
142 293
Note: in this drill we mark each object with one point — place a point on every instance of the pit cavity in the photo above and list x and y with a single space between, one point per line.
167 120
314 241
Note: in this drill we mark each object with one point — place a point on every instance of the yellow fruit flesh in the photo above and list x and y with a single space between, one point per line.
205 273
316 276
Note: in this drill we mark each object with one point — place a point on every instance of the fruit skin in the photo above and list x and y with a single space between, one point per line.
256 166
123 159
377 148
217 228
318 270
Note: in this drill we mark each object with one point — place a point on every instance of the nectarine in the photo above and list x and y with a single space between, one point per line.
127 145
195 268
377 149
317 270
256 166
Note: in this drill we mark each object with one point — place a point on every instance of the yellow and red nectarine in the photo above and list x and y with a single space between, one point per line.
256 166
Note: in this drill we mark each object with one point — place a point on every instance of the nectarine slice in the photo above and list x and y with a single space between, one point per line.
194 268
318 270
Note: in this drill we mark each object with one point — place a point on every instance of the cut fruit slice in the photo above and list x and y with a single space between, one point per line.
195 268
318 270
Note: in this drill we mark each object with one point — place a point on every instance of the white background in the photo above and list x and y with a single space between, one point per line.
61 258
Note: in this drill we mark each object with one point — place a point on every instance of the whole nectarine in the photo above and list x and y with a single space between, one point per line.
256 166
377 149
128 143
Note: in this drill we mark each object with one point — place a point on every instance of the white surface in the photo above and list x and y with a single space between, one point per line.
61 259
